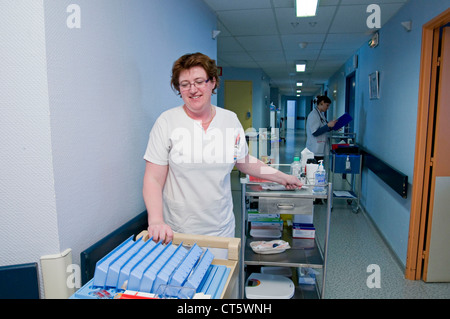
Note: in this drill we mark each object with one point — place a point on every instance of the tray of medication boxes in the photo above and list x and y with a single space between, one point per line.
185 268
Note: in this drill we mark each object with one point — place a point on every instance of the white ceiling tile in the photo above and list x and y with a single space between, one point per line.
267 56
329 2
231 57
307 55
313 41
284 3
297 38
246 65
288 23
228 44
249 22
256 43
226 5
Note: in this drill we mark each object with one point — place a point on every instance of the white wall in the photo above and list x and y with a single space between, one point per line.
28 218
78 108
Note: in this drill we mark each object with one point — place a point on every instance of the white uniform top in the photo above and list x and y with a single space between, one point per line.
197 193
316 144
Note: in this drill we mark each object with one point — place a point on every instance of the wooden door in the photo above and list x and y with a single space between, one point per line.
427 259
239 99
437 252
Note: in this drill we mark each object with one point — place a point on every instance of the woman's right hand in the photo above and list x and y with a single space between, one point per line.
160 231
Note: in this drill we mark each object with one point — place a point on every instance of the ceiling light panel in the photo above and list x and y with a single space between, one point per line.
306 8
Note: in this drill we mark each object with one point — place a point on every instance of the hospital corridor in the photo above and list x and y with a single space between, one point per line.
224 149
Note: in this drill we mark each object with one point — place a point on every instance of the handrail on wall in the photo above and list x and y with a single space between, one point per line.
392 177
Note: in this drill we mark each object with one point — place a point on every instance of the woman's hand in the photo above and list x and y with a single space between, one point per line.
291 182
331 124
160 231
254 167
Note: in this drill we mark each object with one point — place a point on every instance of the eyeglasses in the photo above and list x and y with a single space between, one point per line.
198 83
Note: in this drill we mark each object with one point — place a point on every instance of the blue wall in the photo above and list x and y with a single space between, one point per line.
387 127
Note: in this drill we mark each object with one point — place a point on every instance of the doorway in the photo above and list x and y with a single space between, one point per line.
428 256
239 99
350 88
291 105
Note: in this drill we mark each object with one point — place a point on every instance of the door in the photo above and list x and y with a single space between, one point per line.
428 256
239 99
437 252
350 85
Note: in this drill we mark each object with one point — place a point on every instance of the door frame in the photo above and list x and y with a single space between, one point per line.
425 113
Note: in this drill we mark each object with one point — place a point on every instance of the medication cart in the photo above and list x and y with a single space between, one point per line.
302 253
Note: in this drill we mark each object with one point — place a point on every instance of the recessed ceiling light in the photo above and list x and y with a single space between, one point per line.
300 66
306 8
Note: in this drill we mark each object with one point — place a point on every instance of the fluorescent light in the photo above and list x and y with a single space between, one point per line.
300 67
306 8
299 91
299 83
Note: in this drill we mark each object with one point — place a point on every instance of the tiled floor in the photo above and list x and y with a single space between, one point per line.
354 245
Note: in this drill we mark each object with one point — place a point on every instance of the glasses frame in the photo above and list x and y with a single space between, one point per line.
197 85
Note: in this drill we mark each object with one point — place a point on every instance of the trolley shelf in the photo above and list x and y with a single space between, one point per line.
340 194
303 253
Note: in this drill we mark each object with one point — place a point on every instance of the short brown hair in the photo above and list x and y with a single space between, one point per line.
188 61
323 98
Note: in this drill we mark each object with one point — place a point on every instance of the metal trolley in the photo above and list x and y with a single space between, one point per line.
304 252
345 160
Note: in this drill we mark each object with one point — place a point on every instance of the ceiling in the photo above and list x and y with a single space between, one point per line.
266 34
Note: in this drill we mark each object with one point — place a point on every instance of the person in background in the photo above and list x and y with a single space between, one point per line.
191 152
318 128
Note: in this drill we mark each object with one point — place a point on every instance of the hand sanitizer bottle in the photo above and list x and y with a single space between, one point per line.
320 180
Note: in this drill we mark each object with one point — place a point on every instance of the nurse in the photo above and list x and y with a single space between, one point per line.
191 152
317 128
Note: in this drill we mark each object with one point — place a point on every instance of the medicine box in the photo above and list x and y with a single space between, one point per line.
303 218
306 276
307 231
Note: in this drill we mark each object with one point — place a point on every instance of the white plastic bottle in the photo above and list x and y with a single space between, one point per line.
320 179
296 167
